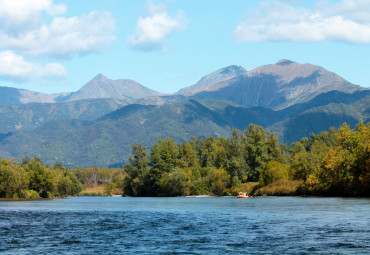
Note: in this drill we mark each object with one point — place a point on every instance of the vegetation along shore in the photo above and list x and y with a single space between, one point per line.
331 163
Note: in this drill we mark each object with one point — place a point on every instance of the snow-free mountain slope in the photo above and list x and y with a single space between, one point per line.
102 87
205 83
277 86
15 96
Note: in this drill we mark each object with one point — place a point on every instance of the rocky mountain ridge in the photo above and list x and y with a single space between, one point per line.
275 86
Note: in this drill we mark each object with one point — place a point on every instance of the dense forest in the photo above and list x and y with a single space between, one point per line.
334 162
32 179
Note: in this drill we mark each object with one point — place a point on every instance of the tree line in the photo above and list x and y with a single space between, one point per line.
334 162
33 179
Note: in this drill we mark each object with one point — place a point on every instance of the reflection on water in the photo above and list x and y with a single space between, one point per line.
102 225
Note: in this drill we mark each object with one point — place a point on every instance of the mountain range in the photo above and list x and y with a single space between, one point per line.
97 124
98 88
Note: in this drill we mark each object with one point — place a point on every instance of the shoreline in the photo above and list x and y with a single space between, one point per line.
190 196
24 199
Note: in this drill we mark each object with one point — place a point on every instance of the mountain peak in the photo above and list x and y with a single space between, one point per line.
99 77
284 62
206 82
233 69
103 87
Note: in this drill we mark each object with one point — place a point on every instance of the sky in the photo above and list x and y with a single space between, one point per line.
56 46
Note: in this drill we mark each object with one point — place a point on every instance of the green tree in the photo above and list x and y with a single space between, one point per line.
41 178
164 155
109 188
173 183
256 151
136 169
13 179
188 155
219 180
236 165
64 185
346 168
273 172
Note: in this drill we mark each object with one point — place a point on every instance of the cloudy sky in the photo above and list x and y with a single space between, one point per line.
59 45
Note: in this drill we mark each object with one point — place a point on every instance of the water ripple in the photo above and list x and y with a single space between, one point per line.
201 226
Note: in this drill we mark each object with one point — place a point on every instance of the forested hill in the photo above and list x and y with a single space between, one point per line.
107 140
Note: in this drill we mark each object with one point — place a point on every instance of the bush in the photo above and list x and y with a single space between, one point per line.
281 188
199 187
29 194
273 172
219 180
173 183
248 187
109 188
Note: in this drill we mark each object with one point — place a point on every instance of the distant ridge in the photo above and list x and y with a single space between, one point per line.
9 96
102 87
275 86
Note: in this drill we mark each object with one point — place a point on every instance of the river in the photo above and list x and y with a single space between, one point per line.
186 225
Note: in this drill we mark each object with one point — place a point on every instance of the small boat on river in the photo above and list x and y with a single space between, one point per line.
242 195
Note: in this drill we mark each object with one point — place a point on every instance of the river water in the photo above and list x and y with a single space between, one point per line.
182 225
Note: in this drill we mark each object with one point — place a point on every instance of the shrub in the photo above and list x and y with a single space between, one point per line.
29 194
273 172
280 188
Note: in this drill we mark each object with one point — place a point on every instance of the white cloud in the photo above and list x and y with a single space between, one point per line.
24 32
347 20
25 13
155 8
14 67
152 30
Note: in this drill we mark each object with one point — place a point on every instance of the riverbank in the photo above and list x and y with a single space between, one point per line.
22 199
100 190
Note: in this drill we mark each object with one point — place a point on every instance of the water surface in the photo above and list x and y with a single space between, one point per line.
213 225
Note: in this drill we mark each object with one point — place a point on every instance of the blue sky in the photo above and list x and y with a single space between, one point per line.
59 45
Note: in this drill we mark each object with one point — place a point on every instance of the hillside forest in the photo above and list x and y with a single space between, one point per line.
331 163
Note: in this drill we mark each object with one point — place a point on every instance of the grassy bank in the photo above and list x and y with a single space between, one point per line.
21 199
100 190
280 188
248 187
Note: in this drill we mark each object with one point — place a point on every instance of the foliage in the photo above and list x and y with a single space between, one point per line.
248 188
273 172
173 183
13 179
345 170
281 188
109 188
33 179
334 162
